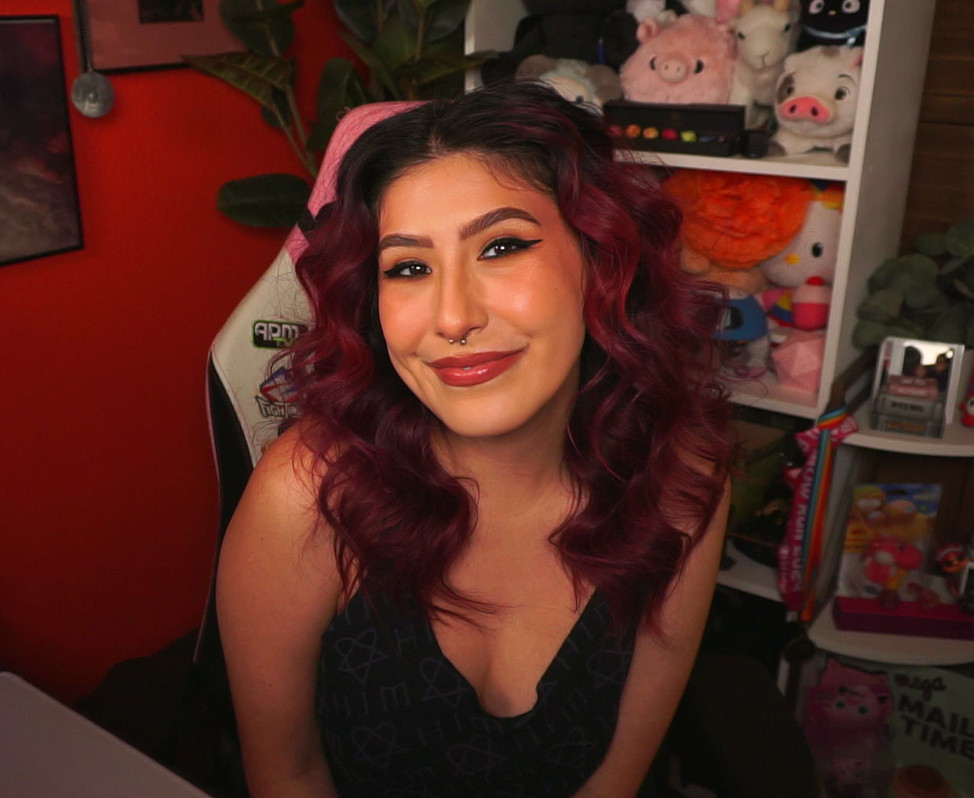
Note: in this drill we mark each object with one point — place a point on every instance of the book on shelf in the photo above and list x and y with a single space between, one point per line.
897 576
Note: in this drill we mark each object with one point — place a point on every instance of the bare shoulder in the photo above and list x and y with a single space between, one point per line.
660 667
277 591
277 534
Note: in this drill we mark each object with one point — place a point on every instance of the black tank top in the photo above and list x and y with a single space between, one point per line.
399 720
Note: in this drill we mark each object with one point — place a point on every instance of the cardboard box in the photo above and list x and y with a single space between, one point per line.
889 578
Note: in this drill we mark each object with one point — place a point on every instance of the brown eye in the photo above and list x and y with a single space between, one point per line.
842 92
698 68
652 63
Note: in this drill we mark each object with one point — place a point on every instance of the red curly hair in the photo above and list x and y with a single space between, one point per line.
647 445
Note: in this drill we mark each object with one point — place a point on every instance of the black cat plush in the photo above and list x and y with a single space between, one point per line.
833 22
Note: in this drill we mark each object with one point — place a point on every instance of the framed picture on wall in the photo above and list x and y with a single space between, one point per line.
128 35
38 189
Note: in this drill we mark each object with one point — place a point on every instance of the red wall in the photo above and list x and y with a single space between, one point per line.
108 498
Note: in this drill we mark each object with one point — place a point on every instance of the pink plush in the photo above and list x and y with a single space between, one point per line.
689 60
798 361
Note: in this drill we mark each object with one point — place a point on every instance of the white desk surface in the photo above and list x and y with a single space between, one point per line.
49 751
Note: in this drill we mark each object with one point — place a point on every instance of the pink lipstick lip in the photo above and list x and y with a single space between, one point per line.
473 359
475 368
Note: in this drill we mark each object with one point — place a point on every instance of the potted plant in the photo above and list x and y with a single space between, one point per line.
926 294
412 49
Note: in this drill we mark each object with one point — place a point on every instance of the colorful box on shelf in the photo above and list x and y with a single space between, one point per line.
892 577
695 129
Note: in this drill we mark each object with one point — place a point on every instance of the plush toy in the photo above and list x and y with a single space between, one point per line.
801 274
816 101
745 331
576 81
833 22
845 722
733 221
670 9
556 28
765 35
689 60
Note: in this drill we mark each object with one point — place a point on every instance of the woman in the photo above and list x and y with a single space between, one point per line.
481 563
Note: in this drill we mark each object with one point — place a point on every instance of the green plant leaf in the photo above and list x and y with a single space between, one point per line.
339 88
443 17
868 333
359 16
426 70
953 265
950 327
379 70
280 103
931 244
919 266
253 74
440 18
264 26
959 239
272 200
394 45
906 328
882 274
882 306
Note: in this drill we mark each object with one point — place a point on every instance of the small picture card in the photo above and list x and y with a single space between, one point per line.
916 385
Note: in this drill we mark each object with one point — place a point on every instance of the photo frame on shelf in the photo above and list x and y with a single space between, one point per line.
915 387
39 212
131 35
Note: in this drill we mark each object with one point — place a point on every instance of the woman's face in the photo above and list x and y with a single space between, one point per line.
467 256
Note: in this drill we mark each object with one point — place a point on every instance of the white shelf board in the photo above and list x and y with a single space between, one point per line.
958 440
765 393
891 649
749 576
813 165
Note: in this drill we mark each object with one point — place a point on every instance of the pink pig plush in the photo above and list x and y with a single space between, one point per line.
689 60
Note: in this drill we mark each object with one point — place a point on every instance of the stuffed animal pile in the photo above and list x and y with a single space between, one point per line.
795 66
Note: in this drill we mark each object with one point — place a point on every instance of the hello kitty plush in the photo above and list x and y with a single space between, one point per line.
802 273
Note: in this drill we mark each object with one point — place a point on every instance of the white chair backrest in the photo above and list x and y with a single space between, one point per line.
275 310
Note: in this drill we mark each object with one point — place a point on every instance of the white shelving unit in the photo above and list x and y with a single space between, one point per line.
892 649
875 179
749 575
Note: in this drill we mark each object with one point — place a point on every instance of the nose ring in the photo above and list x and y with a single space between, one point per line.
463 340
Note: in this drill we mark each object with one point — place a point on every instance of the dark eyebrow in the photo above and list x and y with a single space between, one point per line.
491 218
400 240
478 225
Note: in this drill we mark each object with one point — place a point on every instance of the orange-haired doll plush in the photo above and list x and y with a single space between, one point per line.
732 222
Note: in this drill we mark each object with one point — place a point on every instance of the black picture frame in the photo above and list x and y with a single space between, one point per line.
39 209
141 35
